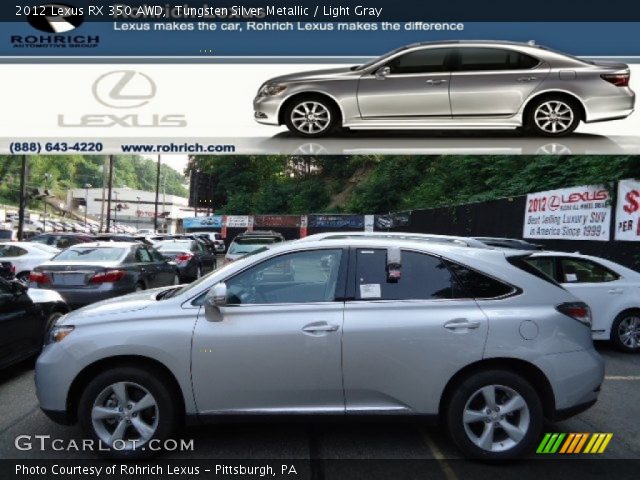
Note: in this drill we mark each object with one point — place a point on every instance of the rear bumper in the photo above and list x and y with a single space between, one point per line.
80 297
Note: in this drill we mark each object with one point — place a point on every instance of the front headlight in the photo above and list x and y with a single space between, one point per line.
59 333
270 89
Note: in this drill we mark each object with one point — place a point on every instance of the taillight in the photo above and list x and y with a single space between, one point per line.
184 257
39 278
618 79
110 276
578 311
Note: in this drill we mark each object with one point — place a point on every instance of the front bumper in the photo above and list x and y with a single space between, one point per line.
266 109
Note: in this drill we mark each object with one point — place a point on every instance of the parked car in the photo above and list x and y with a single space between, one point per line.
248 242
115 237
610 289
25 256
191 257
508 243
215 237
8 235
451 85
62 240
90 272
455 334
25 318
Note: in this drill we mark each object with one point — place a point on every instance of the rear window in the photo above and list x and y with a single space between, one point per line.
173 246
478 285
7 251
248 244
96 254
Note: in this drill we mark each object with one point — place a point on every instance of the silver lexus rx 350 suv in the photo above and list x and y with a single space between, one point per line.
451 85
474 338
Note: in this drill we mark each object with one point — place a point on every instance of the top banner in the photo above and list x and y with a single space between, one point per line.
317 11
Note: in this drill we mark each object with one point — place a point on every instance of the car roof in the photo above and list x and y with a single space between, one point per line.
106 244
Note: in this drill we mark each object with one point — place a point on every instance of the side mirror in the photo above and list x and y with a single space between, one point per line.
217 296
383 72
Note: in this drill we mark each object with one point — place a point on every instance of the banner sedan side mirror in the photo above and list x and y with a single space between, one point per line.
383 72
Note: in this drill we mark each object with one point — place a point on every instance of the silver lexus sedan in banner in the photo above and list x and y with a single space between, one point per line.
451 85
474 338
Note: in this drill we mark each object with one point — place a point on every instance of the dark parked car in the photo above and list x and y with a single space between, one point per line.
25 319
7 270
62 240
91 272
508 243
192 257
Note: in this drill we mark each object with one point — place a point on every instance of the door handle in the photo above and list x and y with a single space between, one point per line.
616 291
461 323
318 327
526 79
436 82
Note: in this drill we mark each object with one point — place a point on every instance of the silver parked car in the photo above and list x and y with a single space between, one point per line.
349 326
451 85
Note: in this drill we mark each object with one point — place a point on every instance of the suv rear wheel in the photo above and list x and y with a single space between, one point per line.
123 409
495 415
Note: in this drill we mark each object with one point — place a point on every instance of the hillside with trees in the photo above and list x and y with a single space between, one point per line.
377 184
73 171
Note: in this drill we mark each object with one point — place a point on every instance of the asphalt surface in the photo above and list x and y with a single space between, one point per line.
617 411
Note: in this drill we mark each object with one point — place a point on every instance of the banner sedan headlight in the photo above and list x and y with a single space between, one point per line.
271 89
59 333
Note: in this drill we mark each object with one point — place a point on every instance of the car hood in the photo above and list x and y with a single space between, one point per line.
114 308
326 74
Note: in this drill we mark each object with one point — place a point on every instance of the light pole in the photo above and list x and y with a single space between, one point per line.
47 180
87 186
138 214
115 210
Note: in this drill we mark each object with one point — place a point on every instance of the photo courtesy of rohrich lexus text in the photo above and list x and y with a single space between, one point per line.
319 240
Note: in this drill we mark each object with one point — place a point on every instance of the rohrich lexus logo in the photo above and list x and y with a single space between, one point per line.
124 90
57 21
56 18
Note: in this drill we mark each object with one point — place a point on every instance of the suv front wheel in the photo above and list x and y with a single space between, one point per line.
495 415
124 409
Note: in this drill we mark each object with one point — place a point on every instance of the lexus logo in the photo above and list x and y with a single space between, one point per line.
57 18
124 89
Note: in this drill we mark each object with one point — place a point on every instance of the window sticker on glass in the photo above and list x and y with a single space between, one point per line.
571 277
370 290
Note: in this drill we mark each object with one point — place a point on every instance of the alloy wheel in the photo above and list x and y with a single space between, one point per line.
629 332
496 418
553 116
311 117
125 415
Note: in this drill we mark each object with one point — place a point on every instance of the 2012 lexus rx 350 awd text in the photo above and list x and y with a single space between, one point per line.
475 338
451 85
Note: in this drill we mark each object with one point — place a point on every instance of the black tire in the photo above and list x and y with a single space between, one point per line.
323 105
559 100
154 383
466 391
616 333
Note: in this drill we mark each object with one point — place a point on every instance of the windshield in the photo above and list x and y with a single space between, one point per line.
97 254
243 246
370 63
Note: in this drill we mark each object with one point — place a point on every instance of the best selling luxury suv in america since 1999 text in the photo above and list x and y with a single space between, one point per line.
451 85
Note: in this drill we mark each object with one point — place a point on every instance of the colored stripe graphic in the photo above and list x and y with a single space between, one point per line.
573 443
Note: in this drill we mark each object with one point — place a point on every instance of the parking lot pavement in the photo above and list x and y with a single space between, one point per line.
617 412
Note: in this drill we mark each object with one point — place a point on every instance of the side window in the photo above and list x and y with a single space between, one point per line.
423 277
546 265
11 251
156 255
428 60
299 277
477 285
479 59
577 270
142 255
